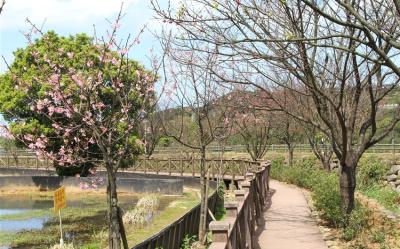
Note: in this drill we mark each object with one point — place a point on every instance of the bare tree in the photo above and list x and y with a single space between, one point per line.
150 130
2 3
286 129
339 59
193 95
320 146
255 132
253 125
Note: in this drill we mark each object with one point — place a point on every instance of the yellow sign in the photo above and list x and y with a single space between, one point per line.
60 200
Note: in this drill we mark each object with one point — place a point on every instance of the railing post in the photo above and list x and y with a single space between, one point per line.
193 171
239 195
231 209
169 166
245 185
220 231
249 176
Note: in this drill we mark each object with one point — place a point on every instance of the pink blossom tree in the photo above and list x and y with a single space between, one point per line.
98 105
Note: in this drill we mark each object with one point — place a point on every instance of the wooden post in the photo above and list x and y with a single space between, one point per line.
245 185
231 209
249 176
239 195
220 231
169 166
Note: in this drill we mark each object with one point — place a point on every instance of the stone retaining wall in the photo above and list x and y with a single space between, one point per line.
393 177
187 180
138 185
126 181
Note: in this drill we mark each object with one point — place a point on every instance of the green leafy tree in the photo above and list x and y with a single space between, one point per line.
36 62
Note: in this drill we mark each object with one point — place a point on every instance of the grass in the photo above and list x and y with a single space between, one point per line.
384 195
6 238
172 212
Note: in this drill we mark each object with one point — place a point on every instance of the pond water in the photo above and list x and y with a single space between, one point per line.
33 217
18 225
26 214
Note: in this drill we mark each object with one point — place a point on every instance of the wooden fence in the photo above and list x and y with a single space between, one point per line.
231 168
242 217
244 214
234 168
22 158
172 236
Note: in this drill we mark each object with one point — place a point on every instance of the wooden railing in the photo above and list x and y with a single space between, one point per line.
172 236
234 168
22 158
243 214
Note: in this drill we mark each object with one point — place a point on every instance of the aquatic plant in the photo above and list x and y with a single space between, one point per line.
144 211
63 246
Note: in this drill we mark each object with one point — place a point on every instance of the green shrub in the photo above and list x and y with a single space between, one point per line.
326 198
220 210
187 242
277 165
371 170
164 141
309 162
378 237
356 222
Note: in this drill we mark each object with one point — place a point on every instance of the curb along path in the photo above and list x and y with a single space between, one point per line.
287 223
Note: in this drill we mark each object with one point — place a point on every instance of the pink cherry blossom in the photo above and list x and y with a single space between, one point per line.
28 137
123 51
114 61
77 80
40 144
116 25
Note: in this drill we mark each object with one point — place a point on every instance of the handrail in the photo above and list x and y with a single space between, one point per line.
243 214
250 201
181 166
217 168
172 236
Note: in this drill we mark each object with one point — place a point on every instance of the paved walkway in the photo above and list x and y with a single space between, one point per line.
287 222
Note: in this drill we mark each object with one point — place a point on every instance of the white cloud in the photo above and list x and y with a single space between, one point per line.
58 12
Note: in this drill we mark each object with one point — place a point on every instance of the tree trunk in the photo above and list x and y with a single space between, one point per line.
347 186
203 197
114 226
326 164
290 154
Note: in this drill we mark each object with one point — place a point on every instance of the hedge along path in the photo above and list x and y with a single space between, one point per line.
287 222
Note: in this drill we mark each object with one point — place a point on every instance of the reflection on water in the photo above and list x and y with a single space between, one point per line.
18 225
11 211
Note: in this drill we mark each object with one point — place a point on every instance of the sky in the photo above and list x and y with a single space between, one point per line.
69 17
